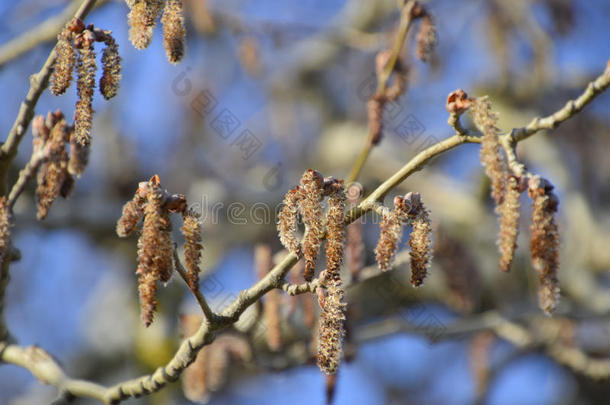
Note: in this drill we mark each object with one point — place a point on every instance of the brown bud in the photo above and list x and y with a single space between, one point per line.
458 102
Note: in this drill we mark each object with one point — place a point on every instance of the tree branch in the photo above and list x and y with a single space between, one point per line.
38 83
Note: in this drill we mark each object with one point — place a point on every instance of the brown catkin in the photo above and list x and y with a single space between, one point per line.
545 241
331 325
491 150
287 222
509 223
83 116
53 178
142 20
191 229
173 30
154 250
133 212
375 116
420 242
390 235
79 156
427 38
111 68
310 206
335 226
64 64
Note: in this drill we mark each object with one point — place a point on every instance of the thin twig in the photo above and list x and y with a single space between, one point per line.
207 311
25 175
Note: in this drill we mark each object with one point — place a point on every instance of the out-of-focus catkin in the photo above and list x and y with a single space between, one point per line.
310 207
509 223
79 156
545 241
83 116
111 68
427 38
491 150
64 64
142 20
288 220
272 300
173 30
191 229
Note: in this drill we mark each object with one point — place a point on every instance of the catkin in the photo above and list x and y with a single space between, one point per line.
83 116
335 227
427 39
64 64
491 151
545 242
287 222
154 250
420 244
173 30
133 211
111 68
509 223
310 207
390 236
79 156
142 20
191 229
331 328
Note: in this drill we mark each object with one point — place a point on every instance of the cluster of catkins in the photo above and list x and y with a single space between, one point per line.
305 201
426 42
75 49
153 204
408 210
506 188
51 135
143 18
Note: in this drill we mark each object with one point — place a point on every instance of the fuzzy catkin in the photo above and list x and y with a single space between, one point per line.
491 150
427 38
79 156
509 223
272 300
389 238
331 328
83 116
335 227
191 229
545 242
64 64
111 69
142 20
375 117
154 250
173 30
420 244
310 207
287 222
133 211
